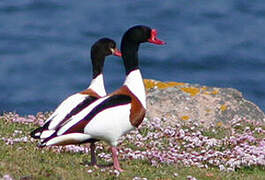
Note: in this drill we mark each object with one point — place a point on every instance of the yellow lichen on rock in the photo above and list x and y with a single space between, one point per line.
204 88
219 124
207 110
214 92
223 107
191 90
206 92
171 84
162 85
185 118
149 84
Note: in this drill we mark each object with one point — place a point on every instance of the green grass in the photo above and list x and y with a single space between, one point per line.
26 161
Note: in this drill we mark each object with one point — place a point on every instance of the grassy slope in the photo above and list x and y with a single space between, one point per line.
25 160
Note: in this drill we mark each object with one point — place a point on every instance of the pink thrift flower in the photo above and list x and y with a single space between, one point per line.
7 177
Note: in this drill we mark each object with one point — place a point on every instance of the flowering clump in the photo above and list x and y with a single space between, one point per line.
17 137
190 145
39 119
240 143
7 177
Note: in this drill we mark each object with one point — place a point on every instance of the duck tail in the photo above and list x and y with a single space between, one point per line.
37 132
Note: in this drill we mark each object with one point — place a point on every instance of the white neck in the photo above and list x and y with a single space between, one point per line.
97 84
134 82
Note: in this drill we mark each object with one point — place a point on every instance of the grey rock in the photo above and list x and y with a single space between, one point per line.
205 105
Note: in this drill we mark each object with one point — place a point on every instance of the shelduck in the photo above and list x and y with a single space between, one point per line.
75 103
110 117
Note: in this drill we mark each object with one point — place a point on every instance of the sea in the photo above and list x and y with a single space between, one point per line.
45 46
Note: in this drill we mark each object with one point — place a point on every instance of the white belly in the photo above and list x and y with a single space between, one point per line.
110 124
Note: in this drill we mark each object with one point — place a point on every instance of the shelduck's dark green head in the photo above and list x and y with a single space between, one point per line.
100 49
131 41
104 47
141 34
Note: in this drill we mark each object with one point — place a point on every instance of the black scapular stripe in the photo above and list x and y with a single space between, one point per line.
80 107
110 102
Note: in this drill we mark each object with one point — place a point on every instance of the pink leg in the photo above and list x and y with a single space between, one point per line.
115 159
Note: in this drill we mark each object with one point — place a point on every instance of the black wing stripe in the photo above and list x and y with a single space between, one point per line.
78 108
110 102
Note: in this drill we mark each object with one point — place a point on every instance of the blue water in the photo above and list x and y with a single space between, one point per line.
45 46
